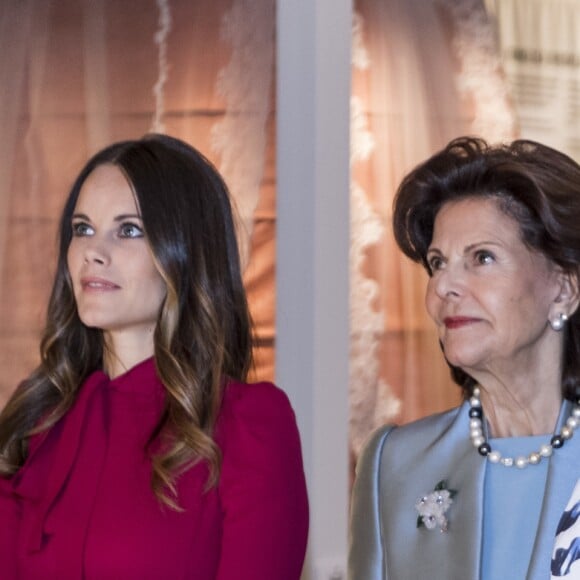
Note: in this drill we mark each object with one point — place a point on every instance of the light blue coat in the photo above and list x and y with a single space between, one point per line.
400 465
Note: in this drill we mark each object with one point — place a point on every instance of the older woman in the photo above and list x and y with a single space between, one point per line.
136 450
477 492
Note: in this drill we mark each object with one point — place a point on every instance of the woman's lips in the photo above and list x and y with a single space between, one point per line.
91 283
458 321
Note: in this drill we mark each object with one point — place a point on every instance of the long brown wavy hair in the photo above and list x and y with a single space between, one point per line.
533 184
203 332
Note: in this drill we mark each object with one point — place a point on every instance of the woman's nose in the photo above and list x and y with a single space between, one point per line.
96 251
449 282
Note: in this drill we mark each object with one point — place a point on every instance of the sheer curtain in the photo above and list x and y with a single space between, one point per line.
424 72
77 75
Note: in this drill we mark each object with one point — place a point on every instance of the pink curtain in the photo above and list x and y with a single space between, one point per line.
424 72
75 76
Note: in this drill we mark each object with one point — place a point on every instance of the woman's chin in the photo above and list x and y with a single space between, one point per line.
96 322
465 361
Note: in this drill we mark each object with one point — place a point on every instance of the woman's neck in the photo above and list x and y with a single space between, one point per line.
524 398
121 353
517 414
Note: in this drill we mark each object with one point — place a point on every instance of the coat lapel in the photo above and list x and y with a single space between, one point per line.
411 468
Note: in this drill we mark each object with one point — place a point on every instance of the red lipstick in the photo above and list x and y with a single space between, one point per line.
458 321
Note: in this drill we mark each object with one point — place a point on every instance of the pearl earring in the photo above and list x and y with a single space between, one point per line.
558 323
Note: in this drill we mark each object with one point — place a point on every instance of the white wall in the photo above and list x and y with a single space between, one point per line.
312 348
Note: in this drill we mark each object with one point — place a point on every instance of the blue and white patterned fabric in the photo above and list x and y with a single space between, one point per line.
566 554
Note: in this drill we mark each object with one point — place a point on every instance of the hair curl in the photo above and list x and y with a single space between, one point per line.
535 185
203 333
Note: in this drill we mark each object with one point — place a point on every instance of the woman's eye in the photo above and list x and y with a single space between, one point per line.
484 257
435 263
130 230
80 229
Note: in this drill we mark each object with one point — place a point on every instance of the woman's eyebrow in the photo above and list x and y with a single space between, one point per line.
125 216
482 243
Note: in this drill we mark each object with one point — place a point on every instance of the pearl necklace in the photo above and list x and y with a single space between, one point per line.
484 448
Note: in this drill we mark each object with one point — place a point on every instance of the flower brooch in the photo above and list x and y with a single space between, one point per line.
433 506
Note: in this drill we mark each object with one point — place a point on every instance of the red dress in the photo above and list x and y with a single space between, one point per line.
82 505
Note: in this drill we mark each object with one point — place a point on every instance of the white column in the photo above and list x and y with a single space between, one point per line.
312 348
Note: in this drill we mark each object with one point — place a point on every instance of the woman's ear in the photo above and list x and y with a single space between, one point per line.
569 297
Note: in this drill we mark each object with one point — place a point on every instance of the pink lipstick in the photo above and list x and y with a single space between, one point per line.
98 284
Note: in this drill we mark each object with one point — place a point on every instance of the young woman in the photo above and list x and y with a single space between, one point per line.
135 449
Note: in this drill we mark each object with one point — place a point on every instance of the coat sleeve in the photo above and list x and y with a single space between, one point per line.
9 527
262 486
366 557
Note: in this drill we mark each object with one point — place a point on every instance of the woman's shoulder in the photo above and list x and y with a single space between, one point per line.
253 400
239 393
252 411
431 424
259 440
413 437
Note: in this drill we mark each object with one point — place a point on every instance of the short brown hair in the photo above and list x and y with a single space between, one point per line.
535 185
